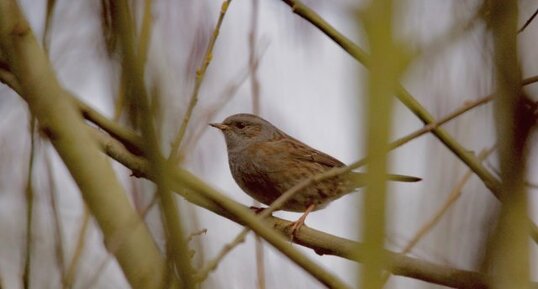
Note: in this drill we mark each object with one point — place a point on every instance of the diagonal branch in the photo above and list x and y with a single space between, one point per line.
196 191
322 243
405 97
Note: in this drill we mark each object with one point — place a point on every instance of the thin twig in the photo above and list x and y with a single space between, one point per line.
255 90
429 127
212 264
145 33
200 74
142 53
51 4
69 278
228 94
528 21
252 36
260 263
451 199
196 234
29 193
112 249
445 40
59 244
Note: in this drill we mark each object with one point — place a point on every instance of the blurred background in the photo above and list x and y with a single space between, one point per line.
269 61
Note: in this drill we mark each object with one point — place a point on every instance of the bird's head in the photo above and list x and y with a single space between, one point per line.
241 130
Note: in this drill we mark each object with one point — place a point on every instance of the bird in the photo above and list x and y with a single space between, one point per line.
266 162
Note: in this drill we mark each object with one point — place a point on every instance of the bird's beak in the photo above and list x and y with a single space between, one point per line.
220 126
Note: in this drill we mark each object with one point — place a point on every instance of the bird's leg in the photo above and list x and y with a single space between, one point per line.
295 226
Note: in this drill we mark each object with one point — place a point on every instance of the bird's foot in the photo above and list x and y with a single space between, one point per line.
295 226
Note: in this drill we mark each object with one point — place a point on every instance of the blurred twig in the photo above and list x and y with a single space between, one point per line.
29 194
195 234
200 74
508 255
145 33
228 93
69 278
142 52
452 198
112 249
260 261
429 127
132 141
255 90
133 67
385 72
213 263
252 37
59 244
459 29
51 4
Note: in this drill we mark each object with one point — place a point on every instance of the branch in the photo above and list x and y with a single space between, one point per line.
197 192
320 242
491 182
200 74
59 119
178 259
405 97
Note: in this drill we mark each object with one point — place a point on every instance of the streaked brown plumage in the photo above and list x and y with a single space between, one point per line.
266 162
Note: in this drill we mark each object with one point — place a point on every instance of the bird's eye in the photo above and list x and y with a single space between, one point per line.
240 125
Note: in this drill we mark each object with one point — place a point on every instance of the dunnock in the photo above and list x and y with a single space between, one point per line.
266 162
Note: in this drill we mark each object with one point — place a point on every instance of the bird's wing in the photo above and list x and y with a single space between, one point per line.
302 152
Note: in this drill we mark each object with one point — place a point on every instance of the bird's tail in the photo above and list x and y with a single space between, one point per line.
359 179
403 178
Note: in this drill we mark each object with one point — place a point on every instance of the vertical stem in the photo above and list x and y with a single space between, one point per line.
29 208
510 244
137 95
382 85
255 90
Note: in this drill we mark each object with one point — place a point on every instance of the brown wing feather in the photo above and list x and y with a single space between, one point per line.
300 151
276 166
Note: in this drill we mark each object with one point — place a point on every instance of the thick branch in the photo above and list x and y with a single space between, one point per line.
138 256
